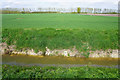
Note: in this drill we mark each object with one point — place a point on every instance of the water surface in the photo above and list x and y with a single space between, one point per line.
54 60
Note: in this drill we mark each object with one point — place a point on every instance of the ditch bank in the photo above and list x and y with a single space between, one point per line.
5 49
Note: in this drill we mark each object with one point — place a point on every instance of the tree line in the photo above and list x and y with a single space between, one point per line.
56 10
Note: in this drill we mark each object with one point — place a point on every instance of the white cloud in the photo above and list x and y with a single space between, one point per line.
17 3
61 3
7 6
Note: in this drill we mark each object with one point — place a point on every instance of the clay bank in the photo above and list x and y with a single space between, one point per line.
5 49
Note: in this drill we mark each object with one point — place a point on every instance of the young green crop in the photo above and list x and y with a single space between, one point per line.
60 21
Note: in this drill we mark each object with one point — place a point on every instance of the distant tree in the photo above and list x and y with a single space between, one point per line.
49 9
40 9
30 10
23 10
78 10
72 9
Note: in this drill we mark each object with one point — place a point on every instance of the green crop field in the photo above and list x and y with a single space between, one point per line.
60 31
63 21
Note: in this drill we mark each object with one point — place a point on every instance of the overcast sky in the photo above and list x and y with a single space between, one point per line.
110 4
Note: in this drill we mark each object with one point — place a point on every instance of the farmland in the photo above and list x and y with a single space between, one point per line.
61 21
60 31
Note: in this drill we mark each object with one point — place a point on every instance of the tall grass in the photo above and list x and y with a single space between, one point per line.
38 39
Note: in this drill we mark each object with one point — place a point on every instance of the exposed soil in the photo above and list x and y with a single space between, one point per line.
19 18
5 49
115 15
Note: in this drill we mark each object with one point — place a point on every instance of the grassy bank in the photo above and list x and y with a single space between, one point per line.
58 72
83 39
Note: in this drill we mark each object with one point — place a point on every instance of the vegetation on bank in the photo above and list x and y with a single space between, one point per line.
84 39
12 71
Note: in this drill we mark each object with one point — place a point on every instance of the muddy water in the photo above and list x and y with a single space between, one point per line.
22 59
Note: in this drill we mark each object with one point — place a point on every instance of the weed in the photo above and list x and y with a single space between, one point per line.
12 71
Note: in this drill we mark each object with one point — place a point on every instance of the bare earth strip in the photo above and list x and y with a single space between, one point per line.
63 52
114 15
